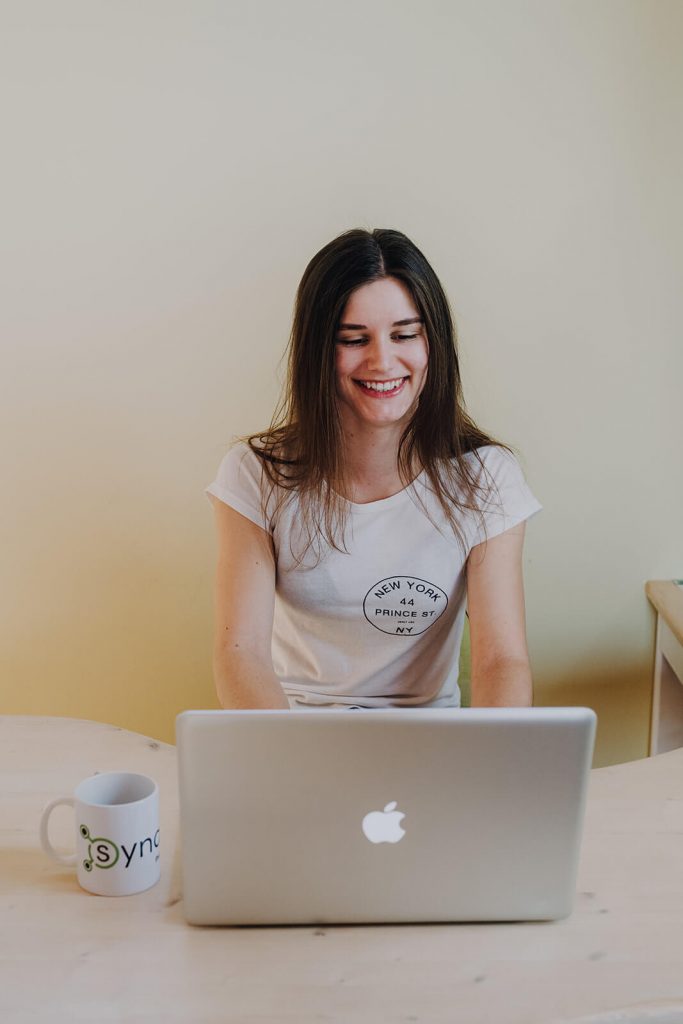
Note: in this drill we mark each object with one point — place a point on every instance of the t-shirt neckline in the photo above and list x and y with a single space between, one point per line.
383 503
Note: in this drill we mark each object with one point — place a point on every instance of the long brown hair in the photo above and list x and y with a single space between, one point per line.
302 450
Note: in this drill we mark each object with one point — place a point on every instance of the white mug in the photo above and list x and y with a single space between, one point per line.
117 833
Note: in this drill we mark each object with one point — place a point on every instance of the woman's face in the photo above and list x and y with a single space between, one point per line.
381 356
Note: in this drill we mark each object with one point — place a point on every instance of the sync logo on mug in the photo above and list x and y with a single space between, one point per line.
104 853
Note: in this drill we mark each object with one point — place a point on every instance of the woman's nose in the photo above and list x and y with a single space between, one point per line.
379 353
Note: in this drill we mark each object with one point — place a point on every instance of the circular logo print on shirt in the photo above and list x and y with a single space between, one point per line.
404 605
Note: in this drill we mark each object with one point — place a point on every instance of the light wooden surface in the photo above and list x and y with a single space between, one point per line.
666 718
69 956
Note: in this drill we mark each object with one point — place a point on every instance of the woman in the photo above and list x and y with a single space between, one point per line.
354 533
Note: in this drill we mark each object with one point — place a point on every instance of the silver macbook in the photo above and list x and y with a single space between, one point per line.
293 817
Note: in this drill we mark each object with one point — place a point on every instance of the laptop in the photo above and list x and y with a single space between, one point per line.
398 815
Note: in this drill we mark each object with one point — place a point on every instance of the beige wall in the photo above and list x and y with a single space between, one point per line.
168 170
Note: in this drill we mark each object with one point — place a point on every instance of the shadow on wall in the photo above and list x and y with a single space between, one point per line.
119 633
620 695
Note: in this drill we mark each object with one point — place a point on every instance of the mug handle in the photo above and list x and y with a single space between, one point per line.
69 858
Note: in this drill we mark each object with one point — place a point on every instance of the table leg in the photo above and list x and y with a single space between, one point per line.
666 725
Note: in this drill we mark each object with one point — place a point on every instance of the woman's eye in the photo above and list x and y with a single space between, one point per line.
361 341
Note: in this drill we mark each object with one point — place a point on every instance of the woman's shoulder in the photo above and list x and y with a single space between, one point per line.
256 450
502 483
492 473
241 460
238 475
490 453
493 462
243 482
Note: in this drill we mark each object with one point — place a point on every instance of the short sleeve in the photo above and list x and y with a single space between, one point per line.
238 484
507 497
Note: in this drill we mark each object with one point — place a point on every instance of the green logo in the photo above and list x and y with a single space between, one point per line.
102 853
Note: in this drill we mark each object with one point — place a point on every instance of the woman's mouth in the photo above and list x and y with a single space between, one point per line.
382 388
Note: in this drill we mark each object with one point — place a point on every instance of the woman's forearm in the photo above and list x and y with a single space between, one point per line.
244 680
503 683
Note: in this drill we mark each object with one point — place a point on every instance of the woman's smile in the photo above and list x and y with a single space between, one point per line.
381 355
383 388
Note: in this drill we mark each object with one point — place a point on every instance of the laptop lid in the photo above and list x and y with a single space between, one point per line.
463 814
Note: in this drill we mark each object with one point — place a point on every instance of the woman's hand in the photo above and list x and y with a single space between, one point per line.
245 599
501 675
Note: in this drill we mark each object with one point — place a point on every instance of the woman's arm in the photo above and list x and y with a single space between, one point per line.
501 675
244 603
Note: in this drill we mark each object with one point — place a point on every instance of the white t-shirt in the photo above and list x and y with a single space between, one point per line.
380 626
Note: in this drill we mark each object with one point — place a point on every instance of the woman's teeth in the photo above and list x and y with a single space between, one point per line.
381 385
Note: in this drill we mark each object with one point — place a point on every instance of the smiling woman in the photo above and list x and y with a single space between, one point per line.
354 532
380 375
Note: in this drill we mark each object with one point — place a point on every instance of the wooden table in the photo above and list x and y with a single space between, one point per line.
69 956
666 720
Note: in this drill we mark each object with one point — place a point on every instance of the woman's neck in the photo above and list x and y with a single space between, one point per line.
371 464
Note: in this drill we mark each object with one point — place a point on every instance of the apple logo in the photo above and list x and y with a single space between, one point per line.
384 826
